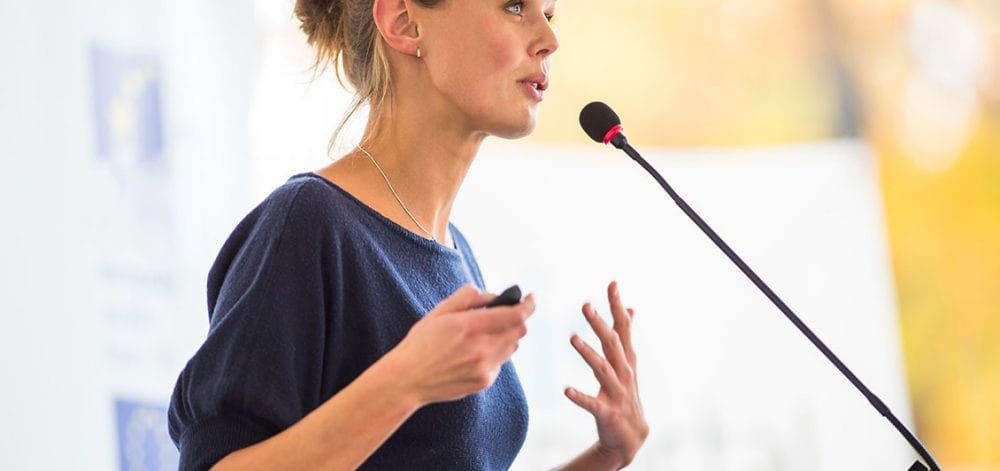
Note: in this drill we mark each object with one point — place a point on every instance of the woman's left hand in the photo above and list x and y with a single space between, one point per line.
621 427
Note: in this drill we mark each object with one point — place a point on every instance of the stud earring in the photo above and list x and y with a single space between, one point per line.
418 52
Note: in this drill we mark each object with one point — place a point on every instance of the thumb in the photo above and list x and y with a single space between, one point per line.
463 299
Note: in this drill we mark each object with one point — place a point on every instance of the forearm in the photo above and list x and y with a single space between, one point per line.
593 459
342 432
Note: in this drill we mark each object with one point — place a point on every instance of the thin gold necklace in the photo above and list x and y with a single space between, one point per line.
393 190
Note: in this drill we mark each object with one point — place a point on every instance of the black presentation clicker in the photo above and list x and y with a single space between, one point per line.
509 297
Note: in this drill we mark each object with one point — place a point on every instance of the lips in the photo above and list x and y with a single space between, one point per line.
535 85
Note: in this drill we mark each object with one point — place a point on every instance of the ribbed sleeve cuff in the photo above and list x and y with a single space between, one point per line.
204 444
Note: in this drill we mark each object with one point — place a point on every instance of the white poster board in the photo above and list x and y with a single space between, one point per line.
728 383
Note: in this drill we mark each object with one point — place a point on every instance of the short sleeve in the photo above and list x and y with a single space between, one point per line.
258 371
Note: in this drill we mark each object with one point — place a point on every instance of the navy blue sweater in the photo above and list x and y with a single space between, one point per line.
310 289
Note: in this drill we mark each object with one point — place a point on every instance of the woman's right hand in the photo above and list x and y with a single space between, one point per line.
458 348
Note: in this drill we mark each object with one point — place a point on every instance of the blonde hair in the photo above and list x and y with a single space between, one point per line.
344 35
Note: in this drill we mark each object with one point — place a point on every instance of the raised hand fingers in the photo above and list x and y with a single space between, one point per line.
621 427
623 321
610 343
603 371
588 403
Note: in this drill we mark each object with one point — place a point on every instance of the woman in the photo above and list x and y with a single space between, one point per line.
348 326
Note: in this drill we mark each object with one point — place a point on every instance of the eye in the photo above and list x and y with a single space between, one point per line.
549 17
515 7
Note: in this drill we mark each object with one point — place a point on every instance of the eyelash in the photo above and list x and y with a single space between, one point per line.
520 7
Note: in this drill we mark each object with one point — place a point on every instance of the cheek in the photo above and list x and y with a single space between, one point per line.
479 72
490 69
482 56
502 52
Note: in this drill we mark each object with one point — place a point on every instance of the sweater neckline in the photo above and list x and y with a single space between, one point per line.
393 225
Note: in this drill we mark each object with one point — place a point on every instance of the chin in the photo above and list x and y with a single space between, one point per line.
516 130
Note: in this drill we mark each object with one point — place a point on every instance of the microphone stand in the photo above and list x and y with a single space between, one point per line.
621 142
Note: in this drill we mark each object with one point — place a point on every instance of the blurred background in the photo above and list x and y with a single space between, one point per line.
849 149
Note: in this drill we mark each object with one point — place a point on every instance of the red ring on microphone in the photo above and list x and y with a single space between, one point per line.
614 131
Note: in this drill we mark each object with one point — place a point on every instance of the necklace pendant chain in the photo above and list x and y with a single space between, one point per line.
396 195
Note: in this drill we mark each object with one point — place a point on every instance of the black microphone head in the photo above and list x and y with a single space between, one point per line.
597 119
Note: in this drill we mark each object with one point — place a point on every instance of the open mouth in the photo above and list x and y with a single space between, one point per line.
534 90
536 85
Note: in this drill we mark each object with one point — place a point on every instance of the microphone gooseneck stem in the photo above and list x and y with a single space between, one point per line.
620 142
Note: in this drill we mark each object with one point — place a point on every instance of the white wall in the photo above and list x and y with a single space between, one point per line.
103 245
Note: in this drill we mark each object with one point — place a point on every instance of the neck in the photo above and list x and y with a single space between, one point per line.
425 170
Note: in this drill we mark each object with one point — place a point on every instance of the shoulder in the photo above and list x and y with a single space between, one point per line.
303 195
296 224
305 206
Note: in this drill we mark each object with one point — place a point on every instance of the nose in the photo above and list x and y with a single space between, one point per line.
547 42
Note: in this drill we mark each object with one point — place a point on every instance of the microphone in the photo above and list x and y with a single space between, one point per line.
601 123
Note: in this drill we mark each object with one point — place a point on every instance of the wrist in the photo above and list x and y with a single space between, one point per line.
607 458
395 378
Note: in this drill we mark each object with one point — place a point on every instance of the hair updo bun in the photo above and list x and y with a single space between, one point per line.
344 35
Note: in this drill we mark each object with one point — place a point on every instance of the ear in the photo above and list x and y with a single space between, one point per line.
394 20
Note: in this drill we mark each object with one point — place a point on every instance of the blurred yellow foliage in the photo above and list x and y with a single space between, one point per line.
945 234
